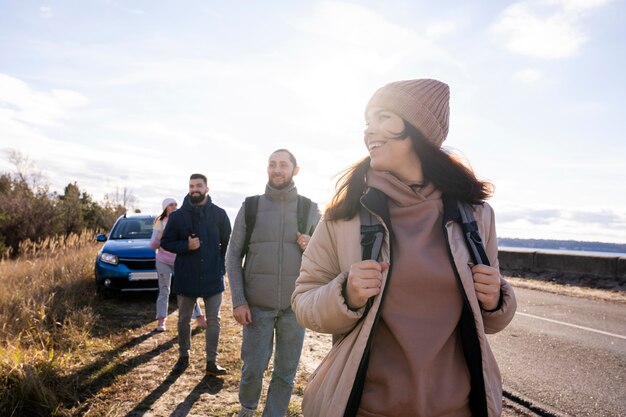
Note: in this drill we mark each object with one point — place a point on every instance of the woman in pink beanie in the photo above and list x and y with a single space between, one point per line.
410 325
165 267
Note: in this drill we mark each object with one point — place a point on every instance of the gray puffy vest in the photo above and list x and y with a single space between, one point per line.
273 260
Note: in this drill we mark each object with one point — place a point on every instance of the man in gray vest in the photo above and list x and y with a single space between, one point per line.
270 233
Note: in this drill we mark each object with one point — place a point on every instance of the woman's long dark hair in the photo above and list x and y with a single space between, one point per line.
444 169
161 216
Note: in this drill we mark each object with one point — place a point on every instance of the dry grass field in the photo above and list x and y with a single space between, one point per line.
47 313
65 352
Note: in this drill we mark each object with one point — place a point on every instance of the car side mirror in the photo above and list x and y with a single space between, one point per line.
101 238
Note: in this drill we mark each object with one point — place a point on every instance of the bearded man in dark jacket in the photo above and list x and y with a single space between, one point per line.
198 234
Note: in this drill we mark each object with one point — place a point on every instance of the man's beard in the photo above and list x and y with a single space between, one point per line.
196 198
287 182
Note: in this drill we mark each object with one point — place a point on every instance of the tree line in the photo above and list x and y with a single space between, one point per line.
29 211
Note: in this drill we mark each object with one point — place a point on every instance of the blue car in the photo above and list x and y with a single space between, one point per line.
126 260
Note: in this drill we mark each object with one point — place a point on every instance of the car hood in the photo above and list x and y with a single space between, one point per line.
129 248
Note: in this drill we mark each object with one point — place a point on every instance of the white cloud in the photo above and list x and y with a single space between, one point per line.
175 72
550 37
69 99
122 6
578 6
22 103
441 28
548 29
46 12
529 75
377 44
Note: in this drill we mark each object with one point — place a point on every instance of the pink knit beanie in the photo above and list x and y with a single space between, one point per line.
166 202
424 103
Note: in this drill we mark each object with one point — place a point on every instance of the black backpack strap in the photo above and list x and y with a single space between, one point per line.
463 214
471 234
304 207
474 242
251 206
372 235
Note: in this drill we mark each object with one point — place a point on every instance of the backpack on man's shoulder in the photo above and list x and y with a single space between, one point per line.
251 206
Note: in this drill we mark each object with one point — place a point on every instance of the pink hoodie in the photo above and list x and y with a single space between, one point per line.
155 242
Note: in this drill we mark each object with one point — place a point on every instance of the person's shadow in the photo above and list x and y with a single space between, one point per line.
100 374
207 385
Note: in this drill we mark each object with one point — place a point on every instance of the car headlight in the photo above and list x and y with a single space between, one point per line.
109 258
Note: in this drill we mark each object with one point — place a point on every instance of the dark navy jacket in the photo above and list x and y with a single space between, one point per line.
200 272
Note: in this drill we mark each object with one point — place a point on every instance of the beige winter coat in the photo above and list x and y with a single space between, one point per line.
320 306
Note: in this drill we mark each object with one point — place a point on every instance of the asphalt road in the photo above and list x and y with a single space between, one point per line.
566 353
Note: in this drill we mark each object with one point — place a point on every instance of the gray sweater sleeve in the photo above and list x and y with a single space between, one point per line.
234 268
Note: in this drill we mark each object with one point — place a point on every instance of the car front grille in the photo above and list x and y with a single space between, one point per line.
138 264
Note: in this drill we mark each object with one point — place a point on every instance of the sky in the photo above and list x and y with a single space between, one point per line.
139 94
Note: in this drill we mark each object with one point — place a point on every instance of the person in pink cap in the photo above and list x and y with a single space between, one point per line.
410 324
165 268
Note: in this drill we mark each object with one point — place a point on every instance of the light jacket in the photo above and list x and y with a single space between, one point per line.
320 306
200 272
273 260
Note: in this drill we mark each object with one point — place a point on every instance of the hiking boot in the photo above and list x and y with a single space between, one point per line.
214 369
181 364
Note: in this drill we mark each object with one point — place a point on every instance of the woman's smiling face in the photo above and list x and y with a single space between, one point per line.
388 149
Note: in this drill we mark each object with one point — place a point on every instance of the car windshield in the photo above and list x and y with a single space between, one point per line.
131 228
